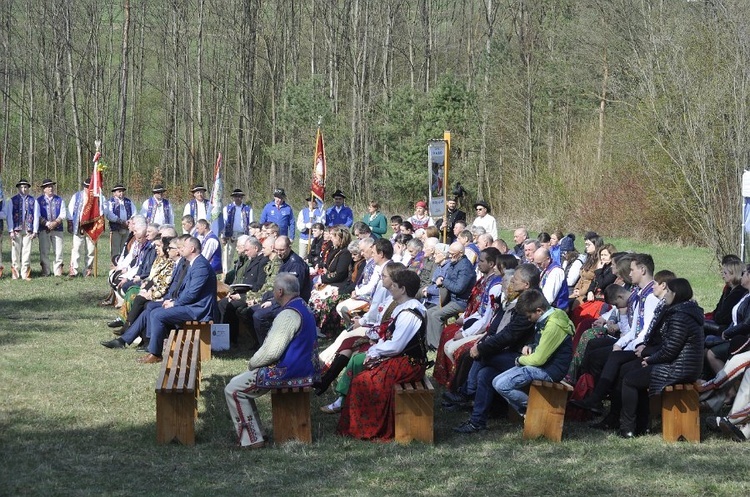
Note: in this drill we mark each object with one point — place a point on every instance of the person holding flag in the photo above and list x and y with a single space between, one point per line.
23 224
86 212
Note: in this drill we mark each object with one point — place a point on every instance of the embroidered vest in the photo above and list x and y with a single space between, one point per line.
299 365
562 297
151 211
416 349
115 208
194 209
215 259
23 212
49 211
229 226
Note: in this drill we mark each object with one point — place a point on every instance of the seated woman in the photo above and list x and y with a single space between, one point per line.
555 251
430 294
592 245
679 358
721 317
399 356
324 297
360 325
718 349
400 252
338 259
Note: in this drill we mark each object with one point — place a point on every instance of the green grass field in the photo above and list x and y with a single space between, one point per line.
79 419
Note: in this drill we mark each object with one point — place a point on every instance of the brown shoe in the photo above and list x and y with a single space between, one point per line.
1 271
148 359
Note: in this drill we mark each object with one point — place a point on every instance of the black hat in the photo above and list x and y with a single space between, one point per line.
198 188
158 189
237 193
47 182
279 193
338 193
87 182
567 243
308 198
23 182
118 186
482 203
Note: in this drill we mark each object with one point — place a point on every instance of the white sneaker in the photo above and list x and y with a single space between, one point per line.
334 407
137 341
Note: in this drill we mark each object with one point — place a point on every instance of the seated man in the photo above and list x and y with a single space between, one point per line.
554 286
196 301
547 359
458 281
254 276
496 352
288 357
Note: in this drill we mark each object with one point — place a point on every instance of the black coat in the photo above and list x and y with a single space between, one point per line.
337 268
518 332
730 297
255 275
743 321
680 356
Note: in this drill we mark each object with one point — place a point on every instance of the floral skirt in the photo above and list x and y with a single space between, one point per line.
323 307
444 366
369 409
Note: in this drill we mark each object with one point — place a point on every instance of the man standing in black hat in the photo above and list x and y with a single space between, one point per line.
120 209
484 219
339 213
23 224
51 218
305 219
199 207
279 212
157 209
237 219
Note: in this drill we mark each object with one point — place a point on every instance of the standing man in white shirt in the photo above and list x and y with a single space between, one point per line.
22 213
484 219
199 207
120 209
157 208
52 216
305 219
237 219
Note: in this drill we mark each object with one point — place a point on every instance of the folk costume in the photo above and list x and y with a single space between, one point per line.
120 210
237 219
158 211
287 358
400 356
305 219
23 224
51 219
75 210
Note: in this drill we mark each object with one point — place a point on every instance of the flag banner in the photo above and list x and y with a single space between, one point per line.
217 194
318 189
436 165
92 218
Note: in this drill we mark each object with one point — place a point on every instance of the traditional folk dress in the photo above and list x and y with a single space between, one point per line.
369 407
477 318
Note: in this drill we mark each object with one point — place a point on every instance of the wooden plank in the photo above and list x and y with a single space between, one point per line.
291 416
180 359
680 413
164 366
545 412
414 412
195 365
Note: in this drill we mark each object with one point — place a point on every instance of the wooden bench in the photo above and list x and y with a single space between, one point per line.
545 412
415 411
290 409
680 413
178 388
204 328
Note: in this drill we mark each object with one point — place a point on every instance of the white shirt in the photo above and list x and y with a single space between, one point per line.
407 325
488 223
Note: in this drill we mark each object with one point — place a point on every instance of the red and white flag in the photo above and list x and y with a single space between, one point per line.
318 189
92 214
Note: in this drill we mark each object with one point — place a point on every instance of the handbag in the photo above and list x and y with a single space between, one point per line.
445 296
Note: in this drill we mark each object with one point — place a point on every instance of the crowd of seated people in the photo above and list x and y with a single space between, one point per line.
612 324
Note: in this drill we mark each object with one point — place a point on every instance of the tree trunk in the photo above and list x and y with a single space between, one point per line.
123 91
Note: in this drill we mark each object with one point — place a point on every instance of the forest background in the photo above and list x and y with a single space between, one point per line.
624 116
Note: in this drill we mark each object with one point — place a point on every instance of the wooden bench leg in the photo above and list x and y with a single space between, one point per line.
175 417
680 415
414 416
291 416
545 413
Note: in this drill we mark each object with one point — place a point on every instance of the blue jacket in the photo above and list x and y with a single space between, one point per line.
334 218
459 279
198 291
283 216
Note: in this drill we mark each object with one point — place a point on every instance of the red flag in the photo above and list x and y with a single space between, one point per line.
92 219
319 170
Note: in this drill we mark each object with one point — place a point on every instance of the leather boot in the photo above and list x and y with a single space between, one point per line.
337 366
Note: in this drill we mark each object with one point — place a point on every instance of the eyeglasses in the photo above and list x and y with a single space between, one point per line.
480 208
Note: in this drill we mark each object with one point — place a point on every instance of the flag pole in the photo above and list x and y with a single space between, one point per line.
98 144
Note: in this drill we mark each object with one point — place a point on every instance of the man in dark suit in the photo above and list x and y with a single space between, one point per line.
254 277
196 300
